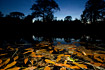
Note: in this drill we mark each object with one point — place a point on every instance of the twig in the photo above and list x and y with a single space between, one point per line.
15 53
95 66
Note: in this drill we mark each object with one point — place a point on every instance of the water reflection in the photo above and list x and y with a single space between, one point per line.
58 40
37 38
84 40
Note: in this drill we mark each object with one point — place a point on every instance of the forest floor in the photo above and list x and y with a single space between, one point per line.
46 56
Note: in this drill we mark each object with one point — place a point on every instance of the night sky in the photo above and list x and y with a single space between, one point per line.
72 8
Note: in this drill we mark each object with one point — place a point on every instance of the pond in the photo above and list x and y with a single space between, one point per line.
58 40
66 40
63 38
70 40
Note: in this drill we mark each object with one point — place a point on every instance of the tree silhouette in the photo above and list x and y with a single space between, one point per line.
14 18
94 10
68 18
28 19
16 15
83 17
1 15
44 9
77 21
49 17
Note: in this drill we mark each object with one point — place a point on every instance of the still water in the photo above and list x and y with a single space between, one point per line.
66 40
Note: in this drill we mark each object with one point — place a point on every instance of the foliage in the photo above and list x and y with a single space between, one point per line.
44 9
16 15
94 11
44 56
1 15
68 18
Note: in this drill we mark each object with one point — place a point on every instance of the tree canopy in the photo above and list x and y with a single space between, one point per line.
68 18
94 11
1 15
16 15
44 9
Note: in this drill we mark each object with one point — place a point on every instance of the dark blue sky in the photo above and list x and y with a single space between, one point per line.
73 8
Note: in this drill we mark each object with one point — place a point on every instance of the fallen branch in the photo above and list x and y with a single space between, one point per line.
95 66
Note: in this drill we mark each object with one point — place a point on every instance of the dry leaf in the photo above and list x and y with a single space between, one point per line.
28 52
4 63
60 64
97 64
71 48
102 56
50 47
104 59
51 51
80 65
3 54
16 49
61 49
32 61
68 66
15 58
41 51
8 47
12 49
59 57
65 62
1 48
68 55
47 68
49 61
15 68
33 53
55 49
87 58
25 60
7 61
30 68
31 49
84 53
63 68
0 61
2 69
98 59
36 56
10 65
75 67
79 54
103 65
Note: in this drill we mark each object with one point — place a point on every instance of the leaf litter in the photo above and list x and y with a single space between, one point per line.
45 56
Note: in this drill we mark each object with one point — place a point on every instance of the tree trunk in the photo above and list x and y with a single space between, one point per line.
43 17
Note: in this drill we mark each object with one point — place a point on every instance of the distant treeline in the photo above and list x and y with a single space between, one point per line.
69 26
51 29
54 26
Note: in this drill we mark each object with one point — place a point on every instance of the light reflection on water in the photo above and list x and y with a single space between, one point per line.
56 40
37 38
63 41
